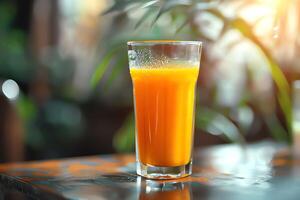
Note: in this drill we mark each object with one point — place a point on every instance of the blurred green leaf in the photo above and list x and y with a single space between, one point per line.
217 124
102 67
283 94
7 13
117 69
186 22
216 12
15 60
280 80
26 107
149 3
145 16
209 119
124 138
121 5
167 5
276 130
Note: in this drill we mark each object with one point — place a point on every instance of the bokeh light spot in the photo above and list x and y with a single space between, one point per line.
10 89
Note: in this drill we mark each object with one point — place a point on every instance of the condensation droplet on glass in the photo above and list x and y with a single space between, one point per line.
131 55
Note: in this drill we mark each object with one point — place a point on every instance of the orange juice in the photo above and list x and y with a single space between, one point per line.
164 110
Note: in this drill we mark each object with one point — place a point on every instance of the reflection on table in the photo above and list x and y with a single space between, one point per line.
258 171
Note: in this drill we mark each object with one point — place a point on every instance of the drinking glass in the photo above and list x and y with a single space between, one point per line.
164 76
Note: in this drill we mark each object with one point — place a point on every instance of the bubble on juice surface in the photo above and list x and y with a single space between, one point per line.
147 58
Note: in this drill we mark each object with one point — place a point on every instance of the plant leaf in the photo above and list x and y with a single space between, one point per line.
216 12
218 124
117 69
276 72
149 3
121 5
277 131
123 141
144 17
102 67
182 25
168 5
7 13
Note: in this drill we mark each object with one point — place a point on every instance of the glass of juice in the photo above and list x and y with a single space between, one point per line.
164 75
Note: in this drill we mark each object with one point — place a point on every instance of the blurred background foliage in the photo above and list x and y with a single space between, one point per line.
64 71
243 88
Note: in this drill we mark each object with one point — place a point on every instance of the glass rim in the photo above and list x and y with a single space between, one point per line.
163 42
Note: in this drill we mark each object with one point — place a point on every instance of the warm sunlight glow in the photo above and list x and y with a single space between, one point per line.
275 22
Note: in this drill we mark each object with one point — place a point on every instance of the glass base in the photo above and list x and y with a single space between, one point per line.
152 172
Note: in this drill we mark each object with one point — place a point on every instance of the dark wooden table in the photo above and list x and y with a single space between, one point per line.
259 171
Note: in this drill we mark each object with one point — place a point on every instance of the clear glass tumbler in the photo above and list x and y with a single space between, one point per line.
164 76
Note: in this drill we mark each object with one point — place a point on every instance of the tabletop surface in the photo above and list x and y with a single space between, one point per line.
259 171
